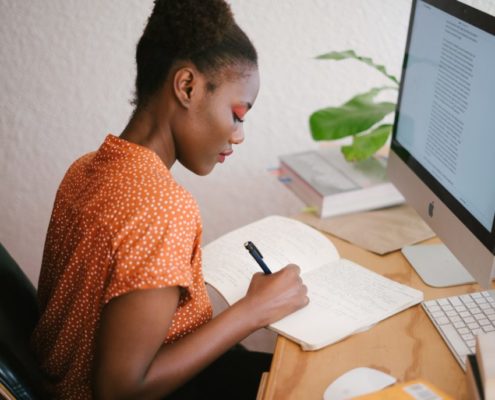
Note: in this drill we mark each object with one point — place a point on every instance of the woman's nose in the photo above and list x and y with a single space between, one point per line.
238 136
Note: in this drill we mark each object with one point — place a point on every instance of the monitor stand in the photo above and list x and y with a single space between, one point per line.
436 265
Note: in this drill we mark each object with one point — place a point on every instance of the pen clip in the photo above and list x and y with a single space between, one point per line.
253 249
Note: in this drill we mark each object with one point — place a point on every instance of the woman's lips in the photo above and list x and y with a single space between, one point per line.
223 155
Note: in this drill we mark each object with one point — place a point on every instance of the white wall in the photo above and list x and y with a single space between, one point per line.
67 72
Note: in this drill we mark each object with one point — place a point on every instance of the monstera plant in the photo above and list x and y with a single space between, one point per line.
360 117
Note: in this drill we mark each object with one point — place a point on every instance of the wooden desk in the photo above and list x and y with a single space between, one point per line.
406 345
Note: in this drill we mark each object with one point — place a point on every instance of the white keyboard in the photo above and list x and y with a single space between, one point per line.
460 318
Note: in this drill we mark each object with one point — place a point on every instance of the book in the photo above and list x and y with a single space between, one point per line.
485 357
345 298
324 180
417 389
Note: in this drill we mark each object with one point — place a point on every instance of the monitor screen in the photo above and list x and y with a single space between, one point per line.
443 145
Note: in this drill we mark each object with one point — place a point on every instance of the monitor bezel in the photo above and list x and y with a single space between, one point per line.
484 22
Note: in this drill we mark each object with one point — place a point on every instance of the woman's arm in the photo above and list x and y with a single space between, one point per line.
131 359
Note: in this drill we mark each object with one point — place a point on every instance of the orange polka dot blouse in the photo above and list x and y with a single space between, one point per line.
120 223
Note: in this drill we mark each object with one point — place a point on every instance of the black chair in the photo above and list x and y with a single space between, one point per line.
19 373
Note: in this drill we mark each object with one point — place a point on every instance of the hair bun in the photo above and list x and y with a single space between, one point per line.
188 26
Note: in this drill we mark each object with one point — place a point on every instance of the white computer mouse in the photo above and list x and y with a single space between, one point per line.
356 382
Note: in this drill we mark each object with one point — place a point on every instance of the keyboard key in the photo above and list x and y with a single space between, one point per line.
455 340
434 307
455 301
438 314
479 317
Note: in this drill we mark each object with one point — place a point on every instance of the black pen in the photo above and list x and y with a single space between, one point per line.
257 256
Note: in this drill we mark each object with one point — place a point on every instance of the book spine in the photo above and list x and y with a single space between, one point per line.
473 379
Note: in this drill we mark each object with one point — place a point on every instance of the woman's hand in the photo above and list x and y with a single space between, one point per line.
273 296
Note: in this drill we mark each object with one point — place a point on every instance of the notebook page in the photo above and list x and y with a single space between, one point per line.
344 298
228 266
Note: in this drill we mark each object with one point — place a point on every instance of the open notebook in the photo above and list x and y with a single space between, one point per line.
345 297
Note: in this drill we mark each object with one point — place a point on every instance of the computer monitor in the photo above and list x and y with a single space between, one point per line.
442 154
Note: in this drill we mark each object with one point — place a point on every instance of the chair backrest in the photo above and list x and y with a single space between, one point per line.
19 313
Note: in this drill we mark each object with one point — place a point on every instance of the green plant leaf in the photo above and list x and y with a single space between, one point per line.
364 146
357 115
343 55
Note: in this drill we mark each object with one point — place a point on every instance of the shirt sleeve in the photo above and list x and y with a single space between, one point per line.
154 250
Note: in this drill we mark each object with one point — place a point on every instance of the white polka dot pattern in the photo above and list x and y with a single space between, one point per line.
120 223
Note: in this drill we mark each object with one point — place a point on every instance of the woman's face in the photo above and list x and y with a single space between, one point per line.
215 120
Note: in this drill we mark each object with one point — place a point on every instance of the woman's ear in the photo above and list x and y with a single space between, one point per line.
185 81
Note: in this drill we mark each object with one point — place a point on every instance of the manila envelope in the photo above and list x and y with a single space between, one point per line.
380 231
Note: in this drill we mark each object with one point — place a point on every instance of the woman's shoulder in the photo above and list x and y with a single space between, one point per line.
77 169
166 187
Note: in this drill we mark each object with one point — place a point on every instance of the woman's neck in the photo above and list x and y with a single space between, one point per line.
146 130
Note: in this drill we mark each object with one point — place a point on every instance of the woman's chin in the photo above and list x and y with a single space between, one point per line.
202 170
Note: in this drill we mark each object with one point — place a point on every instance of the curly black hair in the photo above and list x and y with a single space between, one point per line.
201 31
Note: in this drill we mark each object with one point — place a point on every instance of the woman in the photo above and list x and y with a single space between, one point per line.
125 313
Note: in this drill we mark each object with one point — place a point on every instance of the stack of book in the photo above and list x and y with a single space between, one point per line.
324 180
